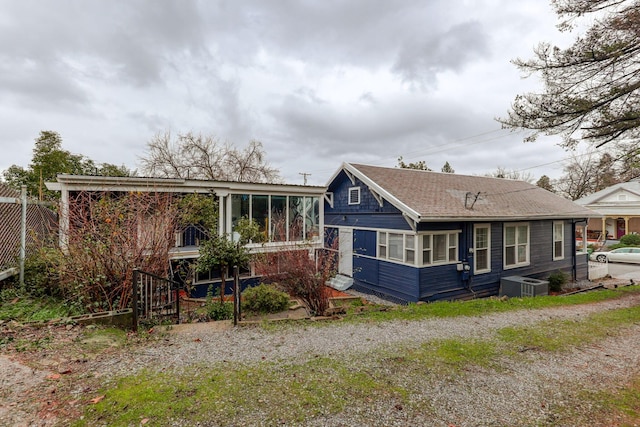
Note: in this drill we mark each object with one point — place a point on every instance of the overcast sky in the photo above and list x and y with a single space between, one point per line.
317 82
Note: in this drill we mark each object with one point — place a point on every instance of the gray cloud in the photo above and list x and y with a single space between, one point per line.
421 61
317 82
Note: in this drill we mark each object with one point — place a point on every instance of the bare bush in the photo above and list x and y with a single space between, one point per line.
302 273
109 235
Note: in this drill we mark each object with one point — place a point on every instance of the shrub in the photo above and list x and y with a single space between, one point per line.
217 310
557 281
630 240
264 299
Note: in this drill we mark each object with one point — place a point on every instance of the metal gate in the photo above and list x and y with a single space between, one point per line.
155 298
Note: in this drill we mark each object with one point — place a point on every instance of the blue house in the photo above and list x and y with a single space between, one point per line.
413 235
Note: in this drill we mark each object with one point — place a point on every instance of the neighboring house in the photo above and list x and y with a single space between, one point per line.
413 235
619 209
40 221
286 214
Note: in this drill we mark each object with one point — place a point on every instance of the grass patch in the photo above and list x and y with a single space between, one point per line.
223 392
558 335
24 308
443 309
288 393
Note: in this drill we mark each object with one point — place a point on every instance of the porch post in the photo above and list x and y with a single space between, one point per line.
221 215
626 225
604 228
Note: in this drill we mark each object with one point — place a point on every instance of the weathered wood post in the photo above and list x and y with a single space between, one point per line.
236 295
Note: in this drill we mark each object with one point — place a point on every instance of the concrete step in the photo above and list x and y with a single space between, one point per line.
340 282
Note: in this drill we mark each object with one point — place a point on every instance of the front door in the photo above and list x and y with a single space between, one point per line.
345 252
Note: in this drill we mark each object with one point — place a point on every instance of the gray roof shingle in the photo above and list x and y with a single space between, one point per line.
443 196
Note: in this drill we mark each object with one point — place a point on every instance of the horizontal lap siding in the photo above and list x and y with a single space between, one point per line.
396 280
441 282
541 263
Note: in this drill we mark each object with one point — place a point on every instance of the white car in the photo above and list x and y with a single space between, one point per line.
618 255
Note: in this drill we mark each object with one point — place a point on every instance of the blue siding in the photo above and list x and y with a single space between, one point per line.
409 284
368 213
387 278
364 242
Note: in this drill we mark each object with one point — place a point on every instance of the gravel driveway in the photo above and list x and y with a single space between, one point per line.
520 394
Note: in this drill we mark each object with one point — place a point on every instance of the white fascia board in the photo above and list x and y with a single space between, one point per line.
335 174
384 194
169 185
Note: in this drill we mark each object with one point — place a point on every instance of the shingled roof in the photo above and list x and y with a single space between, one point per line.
40 220
435 196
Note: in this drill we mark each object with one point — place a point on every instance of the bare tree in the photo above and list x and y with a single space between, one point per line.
191 156
502 172
592 88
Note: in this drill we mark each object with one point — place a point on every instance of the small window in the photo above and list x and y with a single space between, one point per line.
558 240
426 249
382 244
354 196
409 249
481 249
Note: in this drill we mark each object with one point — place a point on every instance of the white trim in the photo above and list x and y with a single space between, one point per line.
476 227
515 245
445 233
355 191
328 197
553 238
378 197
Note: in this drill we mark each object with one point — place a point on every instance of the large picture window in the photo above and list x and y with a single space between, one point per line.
516 245
481 248
439 248
558 240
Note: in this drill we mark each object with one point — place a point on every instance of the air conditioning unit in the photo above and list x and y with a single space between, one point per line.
518 286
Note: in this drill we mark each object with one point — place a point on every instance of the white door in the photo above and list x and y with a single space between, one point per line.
345 252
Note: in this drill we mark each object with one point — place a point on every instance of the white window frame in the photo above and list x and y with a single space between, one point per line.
557 256
383 237
516 245
353 191
452 244
476 249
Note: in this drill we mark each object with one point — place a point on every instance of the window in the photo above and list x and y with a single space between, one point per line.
481 248
395 244
410 249
439 248
558 240
516 245
354 195
397 247
279 218
382 244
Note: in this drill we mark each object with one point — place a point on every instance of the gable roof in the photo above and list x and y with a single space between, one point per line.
632 186
435 196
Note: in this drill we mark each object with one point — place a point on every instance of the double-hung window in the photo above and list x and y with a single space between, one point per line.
558 240
439 248
516 245
481 248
